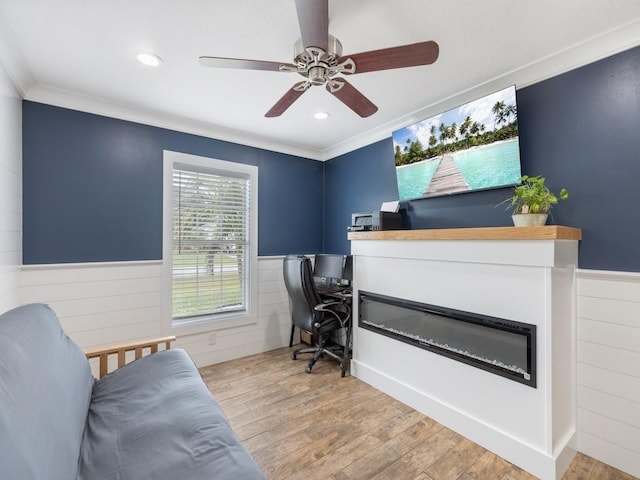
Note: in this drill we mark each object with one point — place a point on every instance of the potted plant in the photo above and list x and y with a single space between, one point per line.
532 200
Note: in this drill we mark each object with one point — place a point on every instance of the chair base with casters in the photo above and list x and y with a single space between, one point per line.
336 352
340 312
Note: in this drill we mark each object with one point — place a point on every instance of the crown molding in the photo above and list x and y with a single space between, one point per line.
596 48
13 62
85 103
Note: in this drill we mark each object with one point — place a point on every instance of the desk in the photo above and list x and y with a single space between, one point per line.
345 297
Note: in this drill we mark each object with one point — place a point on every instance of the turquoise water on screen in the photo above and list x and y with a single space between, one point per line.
488 166
414 179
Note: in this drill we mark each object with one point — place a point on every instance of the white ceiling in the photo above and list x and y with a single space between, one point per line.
81 54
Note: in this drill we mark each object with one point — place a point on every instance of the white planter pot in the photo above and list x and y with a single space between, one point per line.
529 219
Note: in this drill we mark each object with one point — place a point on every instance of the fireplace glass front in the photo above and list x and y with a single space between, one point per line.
504 347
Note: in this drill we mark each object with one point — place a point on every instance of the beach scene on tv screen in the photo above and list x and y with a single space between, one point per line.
472 147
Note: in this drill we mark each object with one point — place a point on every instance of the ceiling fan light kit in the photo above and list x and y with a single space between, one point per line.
318 58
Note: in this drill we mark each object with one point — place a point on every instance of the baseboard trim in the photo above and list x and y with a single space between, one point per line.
533 460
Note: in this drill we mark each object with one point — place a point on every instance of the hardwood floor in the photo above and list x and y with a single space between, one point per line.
322 426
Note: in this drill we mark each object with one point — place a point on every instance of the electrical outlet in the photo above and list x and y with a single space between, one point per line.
212 339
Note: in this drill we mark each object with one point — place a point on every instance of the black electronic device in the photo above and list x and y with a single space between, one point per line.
494 161
347 274
332 272
328 265
375 221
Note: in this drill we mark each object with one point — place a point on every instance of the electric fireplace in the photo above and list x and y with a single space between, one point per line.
500 346
519 397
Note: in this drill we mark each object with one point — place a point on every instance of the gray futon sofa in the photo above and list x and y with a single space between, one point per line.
153 418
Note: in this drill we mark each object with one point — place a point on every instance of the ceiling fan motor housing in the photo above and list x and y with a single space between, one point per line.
316 64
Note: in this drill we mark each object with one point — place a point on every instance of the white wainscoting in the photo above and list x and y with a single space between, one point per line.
10 192
110 303
102 304
608 418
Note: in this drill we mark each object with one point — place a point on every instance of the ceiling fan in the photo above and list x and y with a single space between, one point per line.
318 57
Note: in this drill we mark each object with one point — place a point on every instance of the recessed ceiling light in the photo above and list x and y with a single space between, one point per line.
321 115
149 59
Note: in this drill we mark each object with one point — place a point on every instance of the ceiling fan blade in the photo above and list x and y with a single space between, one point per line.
422 53
222 62
287 99
313 18
351 97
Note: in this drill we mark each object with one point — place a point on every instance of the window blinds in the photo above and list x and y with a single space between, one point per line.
210 243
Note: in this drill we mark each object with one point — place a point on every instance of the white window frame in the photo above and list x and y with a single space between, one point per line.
216 321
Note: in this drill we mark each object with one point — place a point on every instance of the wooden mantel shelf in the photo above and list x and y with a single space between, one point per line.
547 232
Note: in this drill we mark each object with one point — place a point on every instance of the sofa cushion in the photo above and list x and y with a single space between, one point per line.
45 388
155 418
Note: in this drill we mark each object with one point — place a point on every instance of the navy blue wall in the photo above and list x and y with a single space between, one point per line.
92 189
356 182
579 129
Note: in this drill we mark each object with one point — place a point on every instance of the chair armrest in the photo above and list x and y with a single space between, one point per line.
325 307
103 353
322 307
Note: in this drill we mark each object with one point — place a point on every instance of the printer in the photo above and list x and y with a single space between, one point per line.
375 221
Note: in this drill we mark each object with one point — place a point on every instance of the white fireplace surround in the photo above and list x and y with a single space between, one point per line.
526 274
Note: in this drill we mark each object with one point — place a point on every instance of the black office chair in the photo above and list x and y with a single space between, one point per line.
310 313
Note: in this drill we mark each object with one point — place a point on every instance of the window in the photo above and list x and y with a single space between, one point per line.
211 249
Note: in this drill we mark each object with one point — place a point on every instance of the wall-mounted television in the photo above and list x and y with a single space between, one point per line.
472 147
